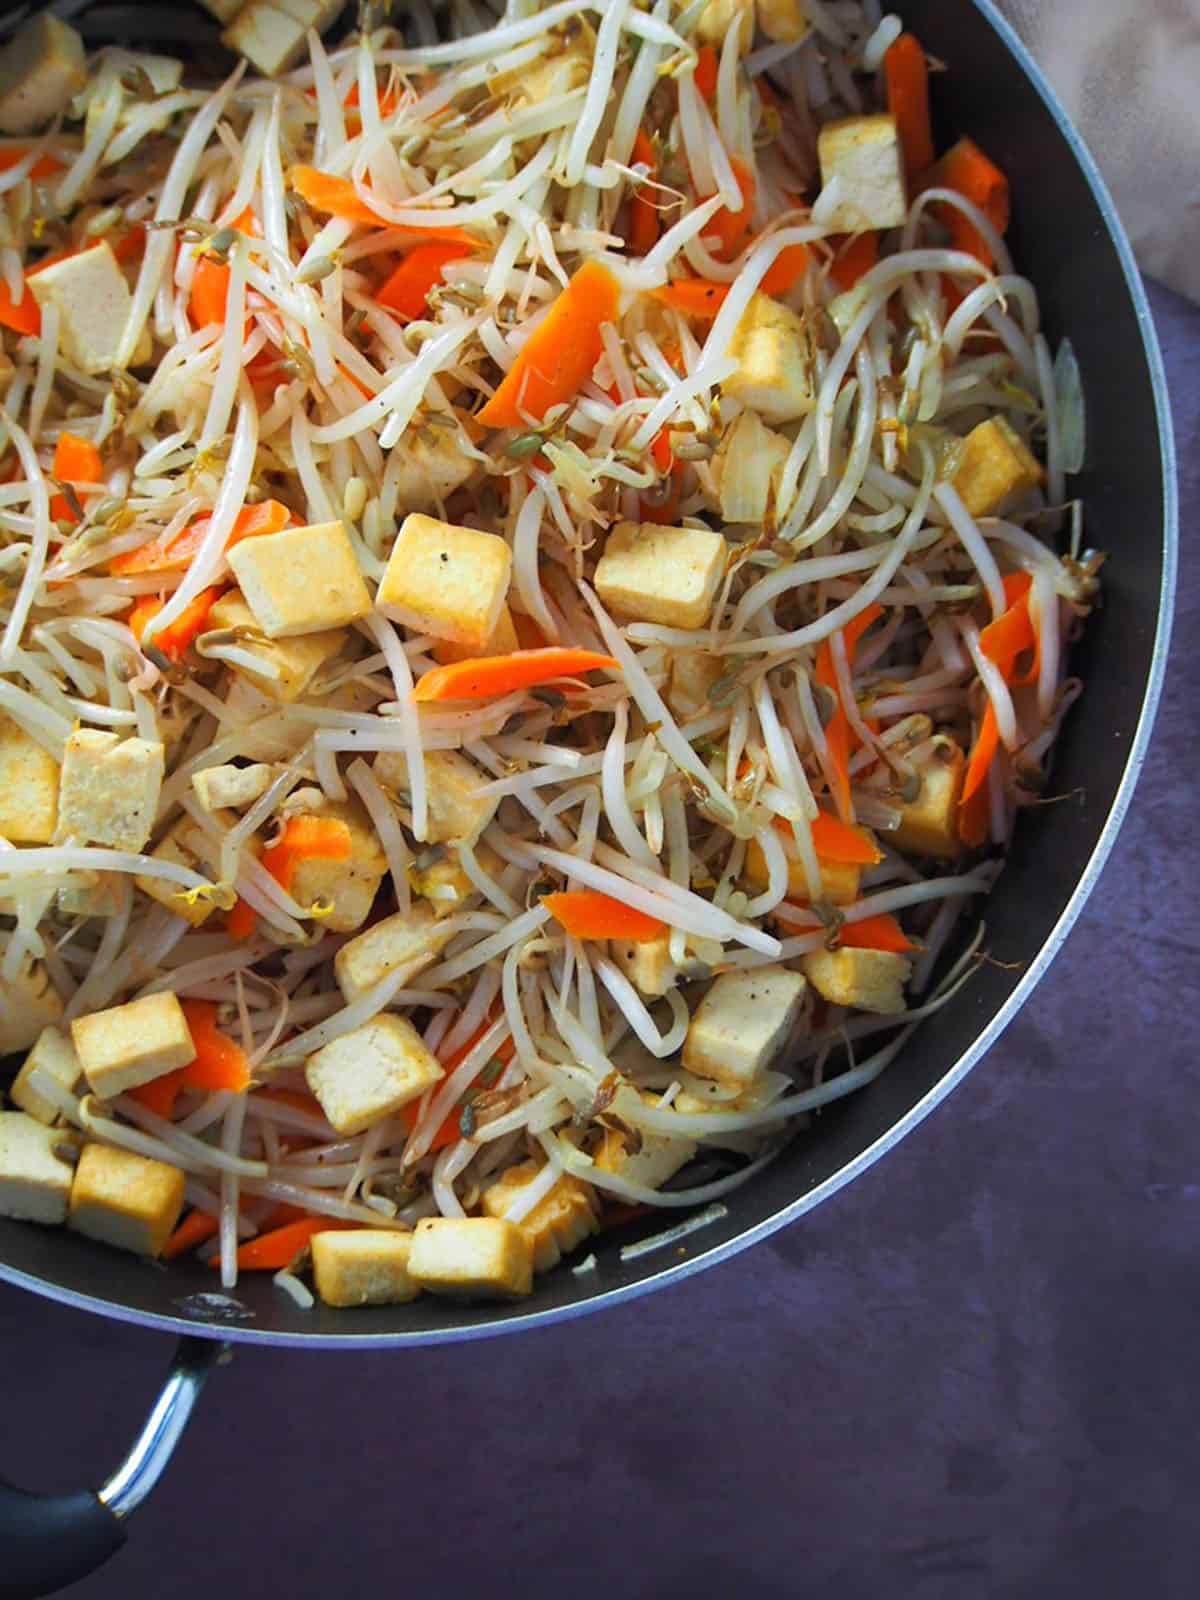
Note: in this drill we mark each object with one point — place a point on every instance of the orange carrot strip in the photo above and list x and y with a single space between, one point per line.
857 255
241 921
488 676
882 932
837 734
339 198
786 270
273 1251
842 841
210 291
45 166
407 289
906 75
76 460
1003 640
693 297
707 66
974 811
982 753
306 839
558 357
644 225
174 640
268 516
965 169
195 1228
731 227
219 1063
160 1094
588 914
23 315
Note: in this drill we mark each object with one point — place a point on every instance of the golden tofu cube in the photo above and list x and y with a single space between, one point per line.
270 39
646 963
373 1070
231 788
35 1183
743 1022
503 641
28 787
784 21
128 1045
109 789
89 291
773 351
840 880
174 848
746 467
864 154
996 466
691 681
407 942
347 888
457 812
288 666
42 68
368 1267
125 1200
446 580
659 1157
53 1056
469 1256
651 573
28 1003
929 824
432 465
562 1219
303 580
717 18
867 980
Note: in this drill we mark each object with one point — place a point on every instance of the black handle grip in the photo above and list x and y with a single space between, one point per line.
50 1540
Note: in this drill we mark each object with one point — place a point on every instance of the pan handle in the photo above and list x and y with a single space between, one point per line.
50 1540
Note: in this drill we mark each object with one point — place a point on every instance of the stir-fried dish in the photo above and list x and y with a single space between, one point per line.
535 576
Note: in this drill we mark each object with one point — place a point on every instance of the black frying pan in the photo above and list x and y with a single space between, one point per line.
1066 237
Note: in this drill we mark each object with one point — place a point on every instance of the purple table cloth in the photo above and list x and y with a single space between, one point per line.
973 1375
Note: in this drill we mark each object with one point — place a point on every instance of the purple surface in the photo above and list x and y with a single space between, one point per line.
972 1374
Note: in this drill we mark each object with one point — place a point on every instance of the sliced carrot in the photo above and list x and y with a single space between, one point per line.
174 640
1012 632
644 225
76 460
906 75
160 1094
210 292
241 921
44 167
339 198
450 1131
588 914
159 555
965 169
731 227
277 1249
834 840
693 297
407 290
130 244
23 315
707 66
388 100
557 358
195 1228
881 932
837 733
488 676
306 839
856 255
219 1063
786 270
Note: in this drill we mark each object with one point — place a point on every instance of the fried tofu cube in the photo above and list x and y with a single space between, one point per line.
186 845
659 1156
503 641
368 1267
288 666
128 1045
28 1003
28 787
469 1256
231 788
867 980
864 154
647 964
125 1200
53 1056
651 573
784 21
996 466
691 681
746 467
445 884
773 351
407 941
270 39
717 18
42 69
562 1219
373 1070
432 465
446 580
303 580
929 824
109 789
35 1182
90 894
458 813
92 298
742 1024
840 880
348 888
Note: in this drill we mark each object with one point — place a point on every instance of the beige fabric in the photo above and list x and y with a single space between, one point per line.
1128 72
